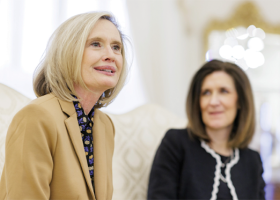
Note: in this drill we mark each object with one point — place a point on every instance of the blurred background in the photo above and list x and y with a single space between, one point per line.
169 41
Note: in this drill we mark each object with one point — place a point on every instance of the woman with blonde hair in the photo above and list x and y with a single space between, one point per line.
210 159
60 146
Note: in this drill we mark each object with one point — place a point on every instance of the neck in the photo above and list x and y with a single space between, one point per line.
219 140
88 98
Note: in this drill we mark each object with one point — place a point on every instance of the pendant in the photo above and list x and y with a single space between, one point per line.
223 178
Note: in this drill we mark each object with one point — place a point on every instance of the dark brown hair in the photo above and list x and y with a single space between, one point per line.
244 123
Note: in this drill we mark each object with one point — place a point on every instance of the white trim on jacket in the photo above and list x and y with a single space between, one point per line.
218 171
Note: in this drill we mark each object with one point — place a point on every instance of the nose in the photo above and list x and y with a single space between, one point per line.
108 55
214 100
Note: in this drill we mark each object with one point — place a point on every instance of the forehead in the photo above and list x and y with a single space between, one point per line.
218 79
105 29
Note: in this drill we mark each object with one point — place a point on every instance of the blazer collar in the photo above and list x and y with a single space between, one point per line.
99 148
100 156
67 107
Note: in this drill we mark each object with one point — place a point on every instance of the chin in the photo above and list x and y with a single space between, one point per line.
109 85
218 126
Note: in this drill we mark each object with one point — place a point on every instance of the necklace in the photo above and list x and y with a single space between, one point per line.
227 160
224 164
223 178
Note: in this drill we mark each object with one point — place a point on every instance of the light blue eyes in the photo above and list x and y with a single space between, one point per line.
96 44
114 47
117 48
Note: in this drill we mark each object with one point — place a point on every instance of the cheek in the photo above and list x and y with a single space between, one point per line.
86 56
203 104
120 63
85 70
232 107
203 109
231 103
90 57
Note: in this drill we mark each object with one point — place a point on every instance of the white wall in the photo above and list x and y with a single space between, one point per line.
162 50
168 38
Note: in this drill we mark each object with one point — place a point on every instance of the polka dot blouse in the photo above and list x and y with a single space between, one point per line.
85 125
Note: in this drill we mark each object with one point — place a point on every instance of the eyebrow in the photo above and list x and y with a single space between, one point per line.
101 39
225 87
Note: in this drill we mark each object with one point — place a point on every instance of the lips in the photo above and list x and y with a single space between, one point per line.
107 70
216 112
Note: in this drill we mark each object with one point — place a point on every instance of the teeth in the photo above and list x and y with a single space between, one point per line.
105 70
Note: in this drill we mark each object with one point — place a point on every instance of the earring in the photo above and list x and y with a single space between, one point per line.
101 98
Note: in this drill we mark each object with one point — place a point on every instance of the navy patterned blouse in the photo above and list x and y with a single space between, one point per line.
85 124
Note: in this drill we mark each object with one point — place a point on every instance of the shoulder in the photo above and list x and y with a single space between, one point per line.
104 118
44 99
33 121
174 137
171 148
249 153
251 156
177 135
39 108
39 111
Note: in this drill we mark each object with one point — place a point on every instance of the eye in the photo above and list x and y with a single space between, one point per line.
116 48
223 90
96 44
205 92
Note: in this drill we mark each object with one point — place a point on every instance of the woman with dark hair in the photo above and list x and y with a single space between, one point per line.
210 159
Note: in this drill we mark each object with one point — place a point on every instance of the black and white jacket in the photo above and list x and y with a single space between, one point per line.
186 168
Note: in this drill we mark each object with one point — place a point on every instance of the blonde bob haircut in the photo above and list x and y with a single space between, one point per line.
61 66
244 123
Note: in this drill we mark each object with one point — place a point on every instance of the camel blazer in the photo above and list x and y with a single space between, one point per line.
45 157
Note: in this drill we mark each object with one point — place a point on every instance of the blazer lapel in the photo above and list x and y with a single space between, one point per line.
75 136
100 164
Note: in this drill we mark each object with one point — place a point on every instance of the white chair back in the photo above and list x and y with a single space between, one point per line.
11 102
138 134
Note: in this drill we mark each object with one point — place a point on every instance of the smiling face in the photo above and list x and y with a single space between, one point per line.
102 59
218 101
